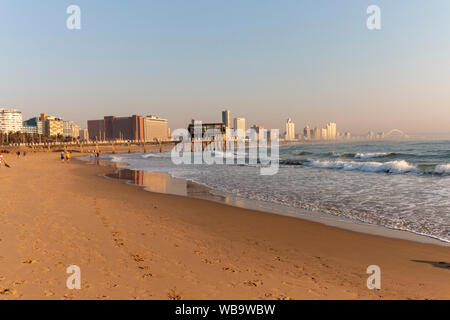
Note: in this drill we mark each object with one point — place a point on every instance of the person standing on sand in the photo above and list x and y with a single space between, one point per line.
68 157
62 157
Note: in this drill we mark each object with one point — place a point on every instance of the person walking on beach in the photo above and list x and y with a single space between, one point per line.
62 157
68 157
2 160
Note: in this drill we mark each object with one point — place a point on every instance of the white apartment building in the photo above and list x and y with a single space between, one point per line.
155 128
10 120
239 124
331 131
290 130
70 129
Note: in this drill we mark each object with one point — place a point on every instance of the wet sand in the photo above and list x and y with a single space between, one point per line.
134 244
160 182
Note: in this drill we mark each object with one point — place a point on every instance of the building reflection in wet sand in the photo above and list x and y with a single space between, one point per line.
164 183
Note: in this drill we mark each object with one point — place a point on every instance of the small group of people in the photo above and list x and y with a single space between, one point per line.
65 156
94 154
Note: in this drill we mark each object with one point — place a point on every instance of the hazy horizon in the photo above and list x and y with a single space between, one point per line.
312 61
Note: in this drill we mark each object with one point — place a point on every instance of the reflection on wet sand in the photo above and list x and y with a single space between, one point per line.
164 183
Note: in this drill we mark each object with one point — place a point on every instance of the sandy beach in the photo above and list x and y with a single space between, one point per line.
134 244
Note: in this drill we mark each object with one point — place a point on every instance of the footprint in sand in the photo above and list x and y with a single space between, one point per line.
229 269
7 291
137 258
253 283
30 261
49 293
278 297
116 236
174 295
68 296
144 267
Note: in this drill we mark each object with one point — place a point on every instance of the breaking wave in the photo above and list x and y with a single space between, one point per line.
373 155
393 167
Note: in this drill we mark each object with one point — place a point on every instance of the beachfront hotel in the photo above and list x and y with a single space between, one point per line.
155 128
135 128
52 126
10 120
117 128
70 129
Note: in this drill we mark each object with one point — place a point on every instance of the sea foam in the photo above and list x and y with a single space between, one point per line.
400 166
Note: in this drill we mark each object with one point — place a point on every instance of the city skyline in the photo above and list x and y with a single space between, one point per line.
309 61
11 121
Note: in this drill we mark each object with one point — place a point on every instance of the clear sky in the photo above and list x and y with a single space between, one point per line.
313 61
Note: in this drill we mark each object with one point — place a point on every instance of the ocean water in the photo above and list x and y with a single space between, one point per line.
399 185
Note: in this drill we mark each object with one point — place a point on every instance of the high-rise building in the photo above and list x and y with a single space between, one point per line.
84 134
155 129
307 133
34 125
317 133
96 130
257 128
226 118
70 129
324 134
239 125
290 130
199 130
114 128
124 128
331 131
54 127
67 129
258 132
10 120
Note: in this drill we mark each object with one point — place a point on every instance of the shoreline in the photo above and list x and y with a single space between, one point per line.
341 222
134 244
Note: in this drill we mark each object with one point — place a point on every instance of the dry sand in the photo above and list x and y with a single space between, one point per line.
133 244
